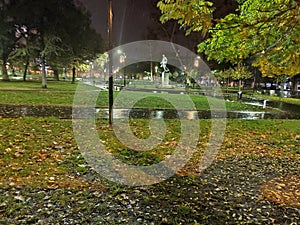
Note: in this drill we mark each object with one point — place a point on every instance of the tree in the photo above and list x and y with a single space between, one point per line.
26 49
240 73
64 36
101 63
194 15
81 42
223 76
265 30
7 34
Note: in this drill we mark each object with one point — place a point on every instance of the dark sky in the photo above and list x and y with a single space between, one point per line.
131 17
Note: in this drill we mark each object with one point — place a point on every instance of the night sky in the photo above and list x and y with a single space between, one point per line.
131 18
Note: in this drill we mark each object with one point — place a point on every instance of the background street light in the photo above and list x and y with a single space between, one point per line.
122 61
156 72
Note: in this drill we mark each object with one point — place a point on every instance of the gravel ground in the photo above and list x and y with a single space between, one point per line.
228 192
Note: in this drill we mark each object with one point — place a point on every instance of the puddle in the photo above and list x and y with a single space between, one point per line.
36 111
66 112
203 114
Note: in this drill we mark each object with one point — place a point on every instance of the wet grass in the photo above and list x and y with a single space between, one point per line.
45 179
62 93
35 85
40 146
276 98
31 151
30 92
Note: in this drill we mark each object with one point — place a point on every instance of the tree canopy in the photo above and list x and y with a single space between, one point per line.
7 35
265 31
53 32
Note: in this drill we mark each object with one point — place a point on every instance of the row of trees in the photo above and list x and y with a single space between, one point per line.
53 32
262 32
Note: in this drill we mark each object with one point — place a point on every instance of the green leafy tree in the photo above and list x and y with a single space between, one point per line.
265 30
193 15
7 34
101 63
80 42
26 48
63 30
240 73
223 76
45 17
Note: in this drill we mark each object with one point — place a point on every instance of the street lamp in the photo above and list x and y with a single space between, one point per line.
91 71
197 62
156 71
122 61
110 80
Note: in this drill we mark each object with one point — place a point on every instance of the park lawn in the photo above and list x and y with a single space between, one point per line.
276 98
34 150
62 93
35 85
31 93
43 173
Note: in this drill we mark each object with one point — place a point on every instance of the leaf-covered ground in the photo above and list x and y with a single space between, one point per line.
254 179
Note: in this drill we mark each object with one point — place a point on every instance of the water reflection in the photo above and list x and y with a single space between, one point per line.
248 115
190 115
8 110
66 112
152 114
157 114
193 115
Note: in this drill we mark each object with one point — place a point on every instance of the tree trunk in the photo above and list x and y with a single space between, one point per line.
254 84
25 71
73 75
295 81
240 84
56 74
44 74
4 70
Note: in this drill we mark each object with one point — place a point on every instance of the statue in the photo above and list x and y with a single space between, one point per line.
163 64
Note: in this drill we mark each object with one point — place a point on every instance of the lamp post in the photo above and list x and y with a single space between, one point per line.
110 74
122 61
91 71
156 71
